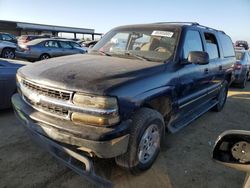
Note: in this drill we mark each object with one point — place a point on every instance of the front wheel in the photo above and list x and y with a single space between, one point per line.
8 53
222 97
44 56
144 143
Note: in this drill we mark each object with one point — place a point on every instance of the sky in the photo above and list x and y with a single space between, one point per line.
231 16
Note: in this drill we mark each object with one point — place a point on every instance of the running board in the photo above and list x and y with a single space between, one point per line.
191 116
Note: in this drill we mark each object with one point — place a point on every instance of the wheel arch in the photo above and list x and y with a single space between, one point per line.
7 47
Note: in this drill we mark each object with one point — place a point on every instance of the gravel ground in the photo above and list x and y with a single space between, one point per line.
185 160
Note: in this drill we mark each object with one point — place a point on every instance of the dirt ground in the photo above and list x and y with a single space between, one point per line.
185 160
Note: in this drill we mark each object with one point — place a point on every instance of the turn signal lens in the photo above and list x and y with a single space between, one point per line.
94 120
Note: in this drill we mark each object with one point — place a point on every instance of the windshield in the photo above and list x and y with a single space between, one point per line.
143 44
239 55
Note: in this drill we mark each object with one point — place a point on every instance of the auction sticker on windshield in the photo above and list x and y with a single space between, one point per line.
162 33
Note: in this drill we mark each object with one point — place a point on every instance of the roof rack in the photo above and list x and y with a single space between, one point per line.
192 24
187 23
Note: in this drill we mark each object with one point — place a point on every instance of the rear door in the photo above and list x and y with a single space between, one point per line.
7 85
215 65
52 48
2 81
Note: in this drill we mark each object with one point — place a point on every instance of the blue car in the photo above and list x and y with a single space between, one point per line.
40 49
8 69
242 68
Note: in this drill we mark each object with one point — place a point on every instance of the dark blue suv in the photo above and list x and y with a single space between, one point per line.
117 101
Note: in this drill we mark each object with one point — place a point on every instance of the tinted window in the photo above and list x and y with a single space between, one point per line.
212 46
75 45
65 45
51 44
6 37
239 55
227 45
192 43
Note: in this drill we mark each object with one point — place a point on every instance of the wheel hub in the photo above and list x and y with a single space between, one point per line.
149 143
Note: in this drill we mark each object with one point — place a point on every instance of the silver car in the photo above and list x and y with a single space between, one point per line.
7 49
40 49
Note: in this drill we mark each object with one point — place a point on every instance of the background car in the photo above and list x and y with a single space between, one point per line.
8 69
7 49
88 44
40 49
242 68
242 43
8 37
27 38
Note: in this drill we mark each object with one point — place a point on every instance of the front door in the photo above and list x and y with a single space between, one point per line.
193 78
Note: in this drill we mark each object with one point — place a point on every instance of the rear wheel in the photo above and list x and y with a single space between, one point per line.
222 97
8 53
44 56
144 143
243 84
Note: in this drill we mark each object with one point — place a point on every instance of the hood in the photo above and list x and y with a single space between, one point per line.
9 44
88 73
12 63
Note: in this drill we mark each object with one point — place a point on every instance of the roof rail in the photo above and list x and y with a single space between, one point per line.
192 24
188 23
202 26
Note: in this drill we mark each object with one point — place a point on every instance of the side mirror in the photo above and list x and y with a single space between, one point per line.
198 57
232 149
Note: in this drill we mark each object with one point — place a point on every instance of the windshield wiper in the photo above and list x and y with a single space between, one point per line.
143 58
102 52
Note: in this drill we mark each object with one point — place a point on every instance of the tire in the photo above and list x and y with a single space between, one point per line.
222 97
8 53
243 84
144 142
44 56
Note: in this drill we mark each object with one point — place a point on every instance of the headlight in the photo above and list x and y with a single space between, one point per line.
96 102
94 119
18 78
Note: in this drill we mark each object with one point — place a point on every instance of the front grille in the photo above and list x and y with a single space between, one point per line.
47 91
27 89
48 108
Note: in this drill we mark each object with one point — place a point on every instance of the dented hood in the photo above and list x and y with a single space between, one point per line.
88 73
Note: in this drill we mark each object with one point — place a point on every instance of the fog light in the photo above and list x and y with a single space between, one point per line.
94 120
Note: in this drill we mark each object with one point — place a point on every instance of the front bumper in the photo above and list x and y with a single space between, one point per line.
99 141
79 163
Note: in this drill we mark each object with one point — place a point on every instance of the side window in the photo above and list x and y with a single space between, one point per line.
51 44
192 43
247 56
65 45
227 45
212 46
75 45
6 37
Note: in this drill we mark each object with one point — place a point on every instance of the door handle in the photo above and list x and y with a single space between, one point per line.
206 70
220 68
